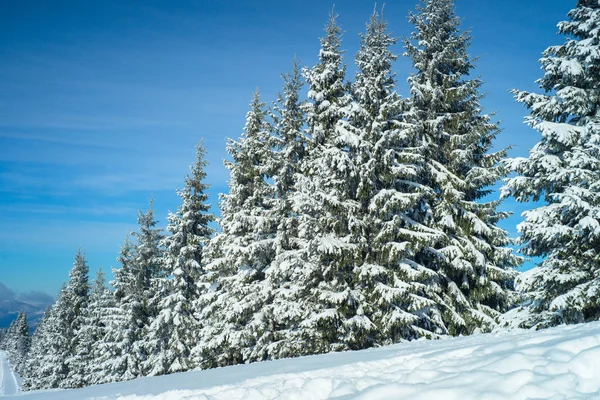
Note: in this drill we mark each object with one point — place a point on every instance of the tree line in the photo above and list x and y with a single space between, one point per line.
355 218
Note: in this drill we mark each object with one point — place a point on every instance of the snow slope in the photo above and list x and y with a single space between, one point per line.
558 363
8 380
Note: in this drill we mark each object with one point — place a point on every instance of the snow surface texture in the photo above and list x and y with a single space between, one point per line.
9 383
557 363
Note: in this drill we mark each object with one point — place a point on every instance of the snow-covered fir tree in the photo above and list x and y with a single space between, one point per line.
283 314
321 283
5 335
173 333
88 335
121 319
471 259
57 342
78 289
388 227
150 270
137 295
563 170
52 346
22 343
289 139
101 319
17 341
38 343
231 311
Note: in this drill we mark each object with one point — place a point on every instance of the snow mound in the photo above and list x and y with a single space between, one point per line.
9 381
557 363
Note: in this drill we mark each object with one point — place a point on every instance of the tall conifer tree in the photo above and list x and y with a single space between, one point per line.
283 314
120 317
54 346
33 364
173 333
79 288
563 169
471 258
90 332
390 231
232 309
59 340
325 206
101 311
137 296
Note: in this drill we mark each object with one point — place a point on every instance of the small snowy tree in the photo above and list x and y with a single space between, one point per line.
7 335
33 364
471 259
563 169
53 345
173 333
119 316
79 289
149 270
17 342
125 347
102 316
90 332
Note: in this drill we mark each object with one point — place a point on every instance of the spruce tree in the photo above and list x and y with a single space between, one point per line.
53 346
325 205
38 344
120 315
232 314
173 333
22 343
389 230
150 270
79 289
90 332
470 256
122 352
56 344
288 138
563 170
5 344
17 342
283 313
137 296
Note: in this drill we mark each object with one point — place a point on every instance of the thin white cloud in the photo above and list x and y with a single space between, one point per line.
60 235
94 211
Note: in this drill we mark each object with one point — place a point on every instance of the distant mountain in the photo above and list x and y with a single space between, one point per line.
9 309
33 304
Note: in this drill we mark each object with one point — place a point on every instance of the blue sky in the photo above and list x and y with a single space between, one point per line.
101 104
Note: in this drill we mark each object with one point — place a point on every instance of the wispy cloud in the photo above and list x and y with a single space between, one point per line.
120 183
83 123
62 209
60 234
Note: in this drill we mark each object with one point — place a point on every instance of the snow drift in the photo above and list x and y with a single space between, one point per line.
557 363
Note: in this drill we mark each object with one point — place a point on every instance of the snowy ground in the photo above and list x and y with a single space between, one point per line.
558 363
9 383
